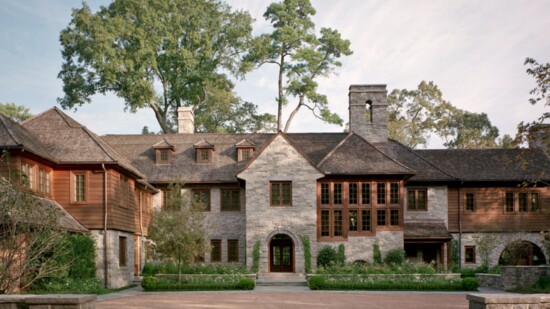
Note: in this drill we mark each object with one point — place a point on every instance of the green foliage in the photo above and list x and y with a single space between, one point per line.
541 287
300 58
70 286
376 253
18 113
455 256
327 256
161 54
469 284
365 269
256 256
341 256
246 284
82 247
151 269
395 256
316 283
483 269
307 253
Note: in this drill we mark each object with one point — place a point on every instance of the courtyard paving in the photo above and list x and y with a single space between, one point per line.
282 297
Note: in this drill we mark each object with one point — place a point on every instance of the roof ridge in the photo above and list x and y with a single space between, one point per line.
384 154
425 160
330 153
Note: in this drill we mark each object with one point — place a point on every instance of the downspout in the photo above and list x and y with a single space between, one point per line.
105 242
459 228
140 241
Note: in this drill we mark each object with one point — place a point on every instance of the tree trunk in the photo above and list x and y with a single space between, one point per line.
280 98
294 112
161 119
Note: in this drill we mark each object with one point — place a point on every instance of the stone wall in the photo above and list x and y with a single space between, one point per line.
361 248
54 301
280 161
375 129
507 301
490 281
118 275
437 205
518 276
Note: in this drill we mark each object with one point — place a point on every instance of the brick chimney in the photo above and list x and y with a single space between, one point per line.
186 120
367 112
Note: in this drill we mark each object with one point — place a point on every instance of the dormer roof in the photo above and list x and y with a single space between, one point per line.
245 143
203 144
163 144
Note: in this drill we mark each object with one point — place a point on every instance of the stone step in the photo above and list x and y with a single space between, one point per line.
275 282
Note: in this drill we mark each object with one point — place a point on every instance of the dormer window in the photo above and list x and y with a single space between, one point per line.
163 152
204 152
245 150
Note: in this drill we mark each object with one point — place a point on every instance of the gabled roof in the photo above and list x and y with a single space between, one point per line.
425 229
163 144
203 144
354 156
491 164
245 143
15 136
69 142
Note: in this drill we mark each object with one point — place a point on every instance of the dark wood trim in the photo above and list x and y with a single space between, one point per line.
212 242
199 192
229 241
280 193
72 181
232 191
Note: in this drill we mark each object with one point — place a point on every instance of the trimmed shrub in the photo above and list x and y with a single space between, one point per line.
376 253
469 284
83 256
149 283
246 284
256 256
405 283
395 256
316 283
307 253
327 257
341 257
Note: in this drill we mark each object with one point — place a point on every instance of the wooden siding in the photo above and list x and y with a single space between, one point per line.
490 215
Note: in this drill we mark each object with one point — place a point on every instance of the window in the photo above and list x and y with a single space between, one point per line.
394 193
381 193
27 174
394 217
325 221
201 198
381 217
204 155
122 251
163 156
230 200
522 201
338 223
509 202
470 254
233 250
353 220
216 250
44 181
124 190
79 187
365 220
352 193
416 199
244 154
365 193
534 201
281 193
325 193
470 203
337 194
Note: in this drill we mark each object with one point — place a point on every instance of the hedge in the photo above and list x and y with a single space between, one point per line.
404 284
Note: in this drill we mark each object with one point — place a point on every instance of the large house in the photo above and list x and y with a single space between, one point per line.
356 189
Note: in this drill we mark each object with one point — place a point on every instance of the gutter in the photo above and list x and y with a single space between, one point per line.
105 242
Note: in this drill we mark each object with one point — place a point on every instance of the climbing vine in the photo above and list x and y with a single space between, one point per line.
307 253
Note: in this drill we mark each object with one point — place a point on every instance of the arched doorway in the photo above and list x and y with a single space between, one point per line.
522 253
281 254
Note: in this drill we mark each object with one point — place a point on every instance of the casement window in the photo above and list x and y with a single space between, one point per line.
244 154
27 175
534 201
44 181
365 193
163 156
171 198
215 250
230 200
381 217
394 216
325 193
365 220
352 193
122 251
337 193
381 193
469 203
353 220
394 193
470 254
417 199
124 191
233 250
509 202
281 193
338 224
201 198
204 155
521 202
325 223
79 187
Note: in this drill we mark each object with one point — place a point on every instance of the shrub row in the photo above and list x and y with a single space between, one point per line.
366 269
151 269
150 284
405 284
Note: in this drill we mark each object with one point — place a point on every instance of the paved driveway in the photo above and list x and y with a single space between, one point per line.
288 299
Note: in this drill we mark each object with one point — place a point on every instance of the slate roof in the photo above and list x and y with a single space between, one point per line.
13 135
491 164
425 229
69 142
66 221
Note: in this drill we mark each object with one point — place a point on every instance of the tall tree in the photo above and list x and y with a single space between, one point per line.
467 130
16 112
300 56
158 54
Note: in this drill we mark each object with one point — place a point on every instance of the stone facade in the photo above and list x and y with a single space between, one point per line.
437 205
119 275
280 161
375 128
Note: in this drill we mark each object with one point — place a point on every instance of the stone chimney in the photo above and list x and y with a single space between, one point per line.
367 112
186 120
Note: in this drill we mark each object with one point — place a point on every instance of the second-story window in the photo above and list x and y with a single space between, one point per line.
230 200
281 193
27 175
44 181
470 202
79 187
201 198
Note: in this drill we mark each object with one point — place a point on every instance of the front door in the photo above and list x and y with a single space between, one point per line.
281 254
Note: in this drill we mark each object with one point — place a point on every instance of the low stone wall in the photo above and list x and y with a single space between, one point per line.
382 276
508 301
512 277
57 301
195 276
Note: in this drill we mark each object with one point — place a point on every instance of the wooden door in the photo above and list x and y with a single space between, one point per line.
281 254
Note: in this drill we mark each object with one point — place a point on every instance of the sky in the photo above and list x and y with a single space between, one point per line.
473 50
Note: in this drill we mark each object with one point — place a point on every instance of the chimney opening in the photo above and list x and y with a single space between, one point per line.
368 111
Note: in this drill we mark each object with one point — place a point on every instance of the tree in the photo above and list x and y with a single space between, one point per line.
158 54
177 231
300 56
16 112
31 240
467 130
